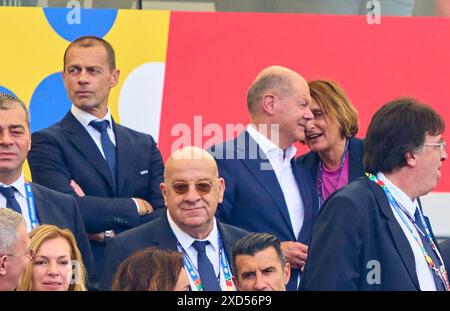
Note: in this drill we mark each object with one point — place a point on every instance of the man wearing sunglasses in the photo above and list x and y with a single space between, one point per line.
15 254
192 189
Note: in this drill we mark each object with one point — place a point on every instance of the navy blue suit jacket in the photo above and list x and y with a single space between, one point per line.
54 208
66 151
356 232
156 233
253 197
355 151
445 252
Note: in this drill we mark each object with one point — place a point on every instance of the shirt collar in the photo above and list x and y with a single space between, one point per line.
267 146
186 240
86 118
400 196
19 184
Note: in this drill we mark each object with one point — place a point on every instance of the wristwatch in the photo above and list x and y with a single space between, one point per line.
108 235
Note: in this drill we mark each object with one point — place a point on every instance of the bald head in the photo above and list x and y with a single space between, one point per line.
277 80
192 190
190 157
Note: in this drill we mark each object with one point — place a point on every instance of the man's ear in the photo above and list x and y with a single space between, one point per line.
411 159
287 273
115 77
162 186
268 103
3 264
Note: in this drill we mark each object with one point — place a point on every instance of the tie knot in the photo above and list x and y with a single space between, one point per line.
200 246
100 126
8 192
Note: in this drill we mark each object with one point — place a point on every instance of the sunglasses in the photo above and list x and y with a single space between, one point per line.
182 187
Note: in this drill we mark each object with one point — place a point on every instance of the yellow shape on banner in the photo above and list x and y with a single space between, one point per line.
31 50
138 37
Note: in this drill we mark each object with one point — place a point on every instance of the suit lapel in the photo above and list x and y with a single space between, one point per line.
355 169
306 196
400 240
124 147
44 211
82 141
227 240
266 177
166 239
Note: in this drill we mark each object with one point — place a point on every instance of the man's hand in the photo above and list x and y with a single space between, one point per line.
100 237
77 188
296 253
144 207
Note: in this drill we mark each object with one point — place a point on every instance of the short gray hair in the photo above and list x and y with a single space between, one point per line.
279 84
9 227
8 101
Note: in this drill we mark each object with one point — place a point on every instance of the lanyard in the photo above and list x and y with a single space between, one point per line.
320 180
31 206
401 211
193 272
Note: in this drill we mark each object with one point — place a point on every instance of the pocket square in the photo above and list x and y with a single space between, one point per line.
143 172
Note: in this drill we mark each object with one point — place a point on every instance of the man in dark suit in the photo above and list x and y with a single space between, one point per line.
372 234
192 189
113 171
38 205
267 191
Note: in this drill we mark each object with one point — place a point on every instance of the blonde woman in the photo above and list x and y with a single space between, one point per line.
58 264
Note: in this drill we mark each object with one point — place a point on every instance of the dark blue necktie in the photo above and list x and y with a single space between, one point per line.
108 147
11 202
429 250
205 268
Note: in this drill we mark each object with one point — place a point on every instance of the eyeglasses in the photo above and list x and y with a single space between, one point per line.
182 187
31 255
441 145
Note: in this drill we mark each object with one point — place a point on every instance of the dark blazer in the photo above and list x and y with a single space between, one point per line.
54 208
156 233
445 252
356 232
66 151
253 197
356 152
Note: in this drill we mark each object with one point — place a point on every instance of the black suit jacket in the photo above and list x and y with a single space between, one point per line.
61 210
66 151
356 236
156 233
356 152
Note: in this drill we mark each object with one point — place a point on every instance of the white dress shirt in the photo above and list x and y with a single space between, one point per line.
21 197
424 274
85 118
212 251
281 164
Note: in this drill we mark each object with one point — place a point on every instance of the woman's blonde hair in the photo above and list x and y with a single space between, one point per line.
335 103
48 232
